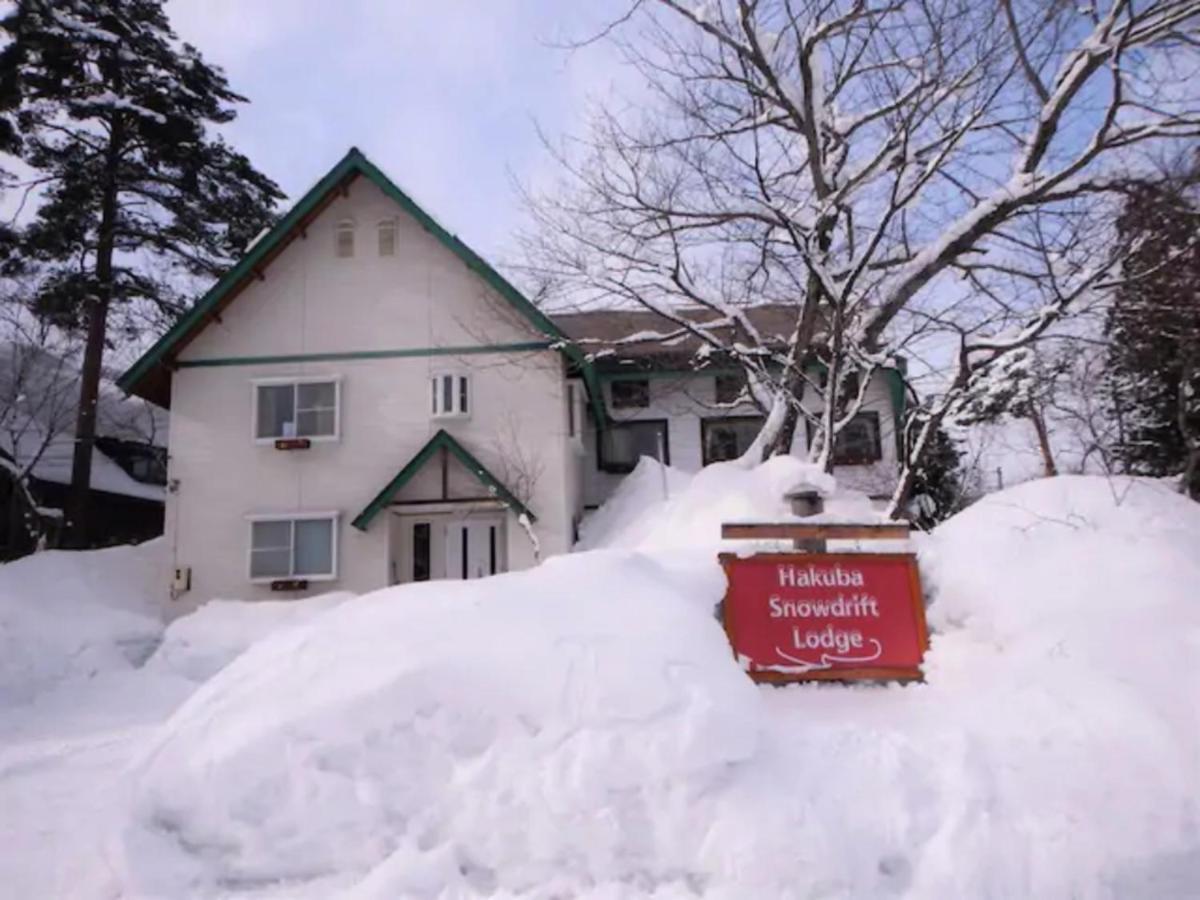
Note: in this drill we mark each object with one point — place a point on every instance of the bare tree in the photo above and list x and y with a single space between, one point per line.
39 381
914 178
519 468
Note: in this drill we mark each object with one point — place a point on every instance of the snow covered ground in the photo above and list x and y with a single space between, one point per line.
580 730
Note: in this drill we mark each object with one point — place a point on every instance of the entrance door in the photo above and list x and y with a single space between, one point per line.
473 548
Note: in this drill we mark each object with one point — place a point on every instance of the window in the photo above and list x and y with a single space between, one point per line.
296 547
728 438
728 388
450 395
630 394
571 412
422 544
290 409
387 238
622 444
858 443
343 240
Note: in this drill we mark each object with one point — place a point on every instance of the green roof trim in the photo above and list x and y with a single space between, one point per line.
398 353
355 163
441 440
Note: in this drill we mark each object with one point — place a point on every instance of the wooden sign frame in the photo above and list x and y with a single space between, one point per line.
864 673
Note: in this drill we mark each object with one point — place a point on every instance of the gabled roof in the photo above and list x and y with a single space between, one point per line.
441 440
150 376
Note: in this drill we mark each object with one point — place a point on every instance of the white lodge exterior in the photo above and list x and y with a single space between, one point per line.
364 401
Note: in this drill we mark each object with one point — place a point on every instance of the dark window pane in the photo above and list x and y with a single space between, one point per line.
729 388
633 394
571 410
447 393
623 444
420 548
858 443
726 439
462 395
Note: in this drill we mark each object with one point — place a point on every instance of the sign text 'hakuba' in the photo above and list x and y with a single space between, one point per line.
800 616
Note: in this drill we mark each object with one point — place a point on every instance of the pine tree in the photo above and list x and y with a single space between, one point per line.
1153 327
114 115
937 489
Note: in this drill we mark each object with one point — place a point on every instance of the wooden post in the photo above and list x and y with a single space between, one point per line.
807 501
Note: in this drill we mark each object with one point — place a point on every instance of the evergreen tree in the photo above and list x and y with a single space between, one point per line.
114 115
1153 328
937 489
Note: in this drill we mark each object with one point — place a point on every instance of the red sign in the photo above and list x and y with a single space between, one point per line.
802 616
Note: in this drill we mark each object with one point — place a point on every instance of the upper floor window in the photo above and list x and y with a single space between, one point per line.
728 388
727 438
633 393
305 408
622 444
387 238
450 394
343 239
294 546
859 442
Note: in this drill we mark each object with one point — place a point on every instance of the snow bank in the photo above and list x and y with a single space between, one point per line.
200 644
637 515
538 731
76 614
581 730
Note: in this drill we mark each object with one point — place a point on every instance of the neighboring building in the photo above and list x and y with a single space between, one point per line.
39 395
362 401
662 404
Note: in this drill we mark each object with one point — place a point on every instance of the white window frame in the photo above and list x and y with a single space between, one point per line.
435 398
294 380
339 227
331 516
394 227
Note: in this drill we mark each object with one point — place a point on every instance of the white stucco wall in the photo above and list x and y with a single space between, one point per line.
684 400
311 302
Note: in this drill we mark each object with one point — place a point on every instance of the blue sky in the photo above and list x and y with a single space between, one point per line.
443 96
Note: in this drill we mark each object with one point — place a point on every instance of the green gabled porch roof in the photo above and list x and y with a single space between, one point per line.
150 376
441 440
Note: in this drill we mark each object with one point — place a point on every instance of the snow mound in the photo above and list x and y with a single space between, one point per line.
76 614
638 517
524 733
200 644
581 730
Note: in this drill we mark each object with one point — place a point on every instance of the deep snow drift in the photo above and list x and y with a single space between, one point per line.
73 615
581 730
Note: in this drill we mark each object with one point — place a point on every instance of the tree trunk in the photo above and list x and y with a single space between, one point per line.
93 353
1049 468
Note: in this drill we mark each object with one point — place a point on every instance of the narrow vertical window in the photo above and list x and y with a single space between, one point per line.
421 551
466 544
344 240
462 395
571 410
447 394
387 238
492 548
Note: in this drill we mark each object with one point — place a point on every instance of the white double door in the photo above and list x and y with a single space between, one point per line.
447 545
473 548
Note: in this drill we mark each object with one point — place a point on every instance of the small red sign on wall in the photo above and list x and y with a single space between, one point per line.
804 616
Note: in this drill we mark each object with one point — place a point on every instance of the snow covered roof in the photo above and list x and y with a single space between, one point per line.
38 404
624 338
